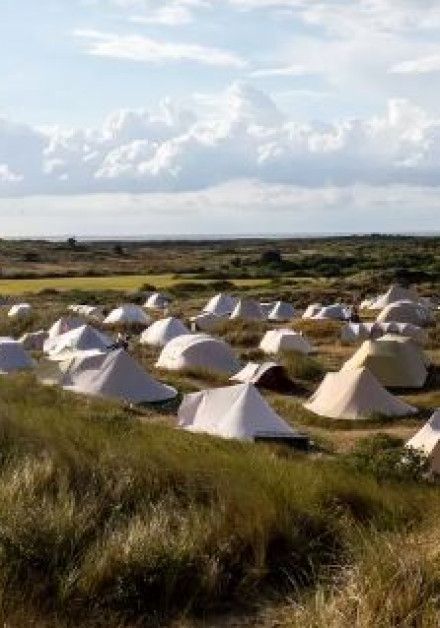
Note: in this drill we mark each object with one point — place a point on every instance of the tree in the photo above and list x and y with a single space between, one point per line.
271 257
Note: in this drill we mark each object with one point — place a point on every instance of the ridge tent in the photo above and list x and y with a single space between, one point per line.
221 304
91 311
281 311
394 294
128 314
277 340
63 325
157 301
335 312
162 331
238 412
269 375
20 310
355 332
355 394
116 375
34 341
198 351
312 310
427 441
249 310
207 321
13 357
395 362
405 312
80 339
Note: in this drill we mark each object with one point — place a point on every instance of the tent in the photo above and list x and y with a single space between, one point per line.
281 311
355 394
394 293
406 330
34 341
312 310
198 351
63 325
20 310
405 312
410 344
128 314
157 301
395 362
267 307
234 412
277 340
13 357
91 311
80 339
427 441
116 375
357 332
269 375
248 310
221 304
162 331
335 312
206 321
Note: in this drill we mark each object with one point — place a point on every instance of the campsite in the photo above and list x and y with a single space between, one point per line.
236 445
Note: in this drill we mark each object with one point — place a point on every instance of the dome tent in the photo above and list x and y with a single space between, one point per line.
395 362
13 357
427 441
128 314
20 310
162 331
221 305
281 311
238 412
157 301
248 310
394 294
34 341
63 325
269 375
80 339
116 375
198 351
355 394
277 340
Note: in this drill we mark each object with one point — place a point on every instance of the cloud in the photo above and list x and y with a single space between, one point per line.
147 50
290 70
7 176
423 65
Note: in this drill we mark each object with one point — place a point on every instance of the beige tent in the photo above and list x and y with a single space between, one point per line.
34 341
355 394
234 412
249 310
198 351
312 310
162 331
221 305
277 340
427 441
406 312
281 311
394 293
207 322
80 339
357 332
395 362
128 314
335 312
116 375
157 301
269 375
13 357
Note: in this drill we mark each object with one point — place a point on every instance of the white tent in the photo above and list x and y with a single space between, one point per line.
83 338
157 301
91 311
268 375
207 321
162 331
13 357
427 441
406 312
221 304
198 351
128 314
117 375
355 394
335 312
312 310
282 311
267 307
394 293
34 341
277 340
249 310
233 412
63 325
20 310
358 332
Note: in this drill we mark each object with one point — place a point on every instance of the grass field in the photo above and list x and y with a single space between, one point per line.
121 283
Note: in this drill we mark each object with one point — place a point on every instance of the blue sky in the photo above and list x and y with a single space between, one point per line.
120 117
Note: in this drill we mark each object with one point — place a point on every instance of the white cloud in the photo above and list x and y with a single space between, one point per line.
290 70
147 50
423 65
8 176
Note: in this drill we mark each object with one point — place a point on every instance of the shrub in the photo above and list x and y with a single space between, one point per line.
300 366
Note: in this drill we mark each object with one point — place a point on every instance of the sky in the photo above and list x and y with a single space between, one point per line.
208 117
